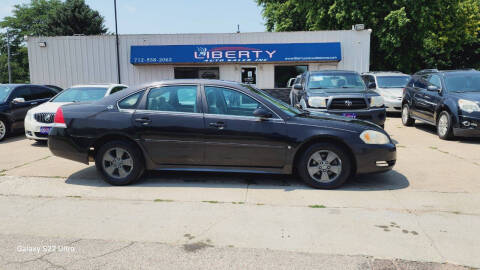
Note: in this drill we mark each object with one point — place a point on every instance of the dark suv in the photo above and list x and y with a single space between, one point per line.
16 100
339 92
449 100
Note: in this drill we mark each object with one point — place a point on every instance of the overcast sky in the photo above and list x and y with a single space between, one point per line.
172 16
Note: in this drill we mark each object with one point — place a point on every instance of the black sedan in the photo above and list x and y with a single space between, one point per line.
216 126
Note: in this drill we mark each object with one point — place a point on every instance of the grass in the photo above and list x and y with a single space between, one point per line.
317 206
162 200
73 196
238 203
211 201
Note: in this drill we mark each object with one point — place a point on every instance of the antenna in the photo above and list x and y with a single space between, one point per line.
238 28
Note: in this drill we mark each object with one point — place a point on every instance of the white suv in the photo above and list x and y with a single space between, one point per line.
39 120
389 85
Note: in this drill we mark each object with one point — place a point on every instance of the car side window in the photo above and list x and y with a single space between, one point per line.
178 98
22 92
435 80
41 93
419 83
229 102
131 101
117 89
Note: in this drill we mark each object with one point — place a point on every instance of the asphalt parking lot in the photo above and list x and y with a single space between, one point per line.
425 210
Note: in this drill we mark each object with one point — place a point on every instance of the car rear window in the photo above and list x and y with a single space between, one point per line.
81 94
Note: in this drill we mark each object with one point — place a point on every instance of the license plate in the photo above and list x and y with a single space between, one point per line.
350 115
45 130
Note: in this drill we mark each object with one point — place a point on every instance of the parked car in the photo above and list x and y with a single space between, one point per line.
216 125
449 100
293 92
291 82
54 88
15 101
339 92
389 85
39 120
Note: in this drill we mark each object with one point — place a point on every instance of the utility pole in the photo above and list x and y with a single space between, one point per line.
116 41
8 57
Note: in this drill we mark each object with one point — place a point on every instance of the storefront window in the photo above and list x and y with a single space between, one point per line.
285 73
197 73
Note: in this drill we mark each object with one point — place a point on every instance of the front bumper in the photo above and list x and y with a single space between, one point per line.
32 129
374 115
61 144
467 127
393 105
375 158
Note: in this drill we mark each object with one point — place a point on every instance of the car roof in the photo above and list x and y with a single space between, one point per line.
429 71
332 71
21 84
105 85
385 73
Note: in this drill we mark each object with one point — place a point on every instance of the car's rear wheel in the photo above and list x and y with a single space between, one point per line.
325 165
119 162
3 129
406 119
444 126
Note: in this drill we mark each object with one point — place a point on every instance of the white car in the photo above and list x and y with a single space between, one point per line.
389 85
39 120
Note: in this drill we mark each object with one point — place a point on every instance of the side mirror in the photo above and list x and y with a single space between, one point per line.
297 86
18 100
262 113
433 88
372 85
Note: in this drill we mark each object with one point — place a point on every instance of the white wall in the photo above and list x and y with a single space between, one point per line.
92 59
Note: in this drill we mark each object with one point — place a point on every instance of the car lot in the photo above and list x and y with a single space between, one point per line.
426 209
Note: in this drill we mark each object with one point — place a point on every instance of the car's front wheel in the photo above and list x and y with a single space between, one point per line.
444 126
325 165
119 162
406 119
3 129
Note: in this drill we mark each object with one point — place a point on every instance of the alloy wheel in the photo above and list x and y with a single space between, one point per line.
405 114
443 125
324 166
3 130
117 162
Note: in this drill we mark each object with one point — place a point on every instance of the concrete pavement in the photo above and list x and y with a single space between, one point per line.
426 210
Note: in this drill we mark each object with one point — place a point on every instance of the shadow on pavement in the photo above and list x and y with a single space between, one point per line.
385 181
13 138
433 130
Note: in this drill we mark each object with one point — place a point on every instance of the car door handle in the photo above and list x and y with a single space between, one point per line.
144 120
219 125
34 103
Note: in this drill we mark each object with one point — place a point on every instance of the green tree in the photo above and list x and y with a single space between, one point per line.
43 18
407 34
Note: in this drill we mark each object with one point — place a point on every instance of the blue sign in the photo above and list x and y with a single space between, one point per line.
236 53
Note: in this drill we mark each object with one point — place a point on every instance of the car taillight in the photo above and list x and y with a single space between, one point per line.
59 120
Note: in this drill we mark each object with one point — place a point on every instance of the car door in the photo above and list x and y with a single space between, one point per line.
419 105
169 124
19 109
236 138
432 98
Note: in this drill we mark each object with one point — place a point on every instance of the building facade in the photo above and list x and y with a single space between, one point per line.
267 59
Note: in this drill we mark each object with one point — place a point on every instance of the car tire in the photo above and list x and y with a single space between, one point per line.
119 162
444 126
4 129
406 119
320 169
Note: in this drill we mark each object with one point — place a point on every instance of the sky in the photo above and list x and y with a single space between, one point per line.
172 16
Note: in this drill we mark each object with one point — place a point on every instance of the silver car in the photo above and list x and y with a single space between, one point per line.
388 84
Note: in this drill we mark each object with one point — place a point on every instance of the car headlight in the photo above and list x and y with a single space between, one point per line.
468 105
317 102
29 115
376 101
374 137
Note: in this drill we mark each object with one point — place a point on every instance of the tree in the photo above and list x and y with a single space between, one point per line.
44 18
407 34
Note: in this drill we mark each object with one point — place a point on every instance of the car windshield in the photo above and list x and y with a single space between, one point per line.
336 82
463 82
81 94
4 92
277 103
392 81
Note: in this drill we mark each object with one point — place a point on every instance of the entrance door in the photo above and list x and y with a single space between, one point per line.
249 75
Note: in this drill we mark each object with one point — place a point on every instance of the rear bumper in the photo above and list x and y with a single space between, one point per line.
376 116
63 145
393 105
375 158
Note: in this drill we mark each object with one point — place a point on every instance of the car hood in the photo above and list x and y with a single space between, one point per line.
474 96
339 93
323 120
395 92
48 107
